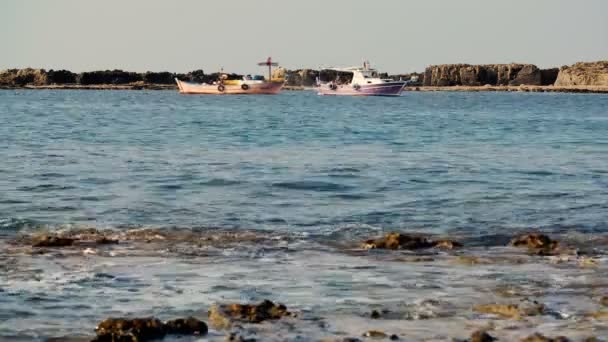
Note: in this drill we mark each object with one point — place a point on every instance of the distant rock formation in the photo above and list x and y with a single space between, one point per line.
14 78
587 74
21 77
479 75
548 76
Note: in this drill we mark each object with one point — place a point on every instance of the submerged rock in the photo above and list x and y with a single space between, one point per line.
52 241
374 334
511 310
481 336
539 244
407 241
234 337
186 326
223 316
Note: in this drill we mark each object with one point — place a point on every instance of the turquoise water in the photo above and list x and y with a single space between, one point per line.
436 161
237 199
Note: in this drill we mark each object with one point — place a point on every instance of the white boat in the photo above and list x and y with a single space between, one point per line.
365 82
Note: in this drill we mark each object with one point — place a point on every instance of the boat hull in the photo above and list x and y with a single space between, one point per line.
380 89
261 88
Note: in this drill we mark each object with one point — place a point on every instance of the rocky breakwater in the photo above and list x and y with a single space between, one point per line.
489 74
584 74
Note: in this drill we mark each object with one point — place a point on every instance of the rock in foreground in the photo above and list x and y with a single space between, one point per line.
52 241
223 316
146 329
536 243
406 241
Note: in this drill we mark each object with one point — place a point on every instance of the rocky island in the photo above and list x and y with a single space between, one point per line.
581 77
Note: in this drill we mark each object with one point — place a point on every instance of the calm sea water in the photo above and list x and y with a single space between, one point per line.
311 176
433 161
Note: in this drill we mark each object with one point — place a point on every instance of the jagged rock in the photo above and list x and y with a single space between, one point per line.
590 74
186 326
398 241
136 330
405 241
146 329
223 316
478 75
481 336
52 241
539 243
511 310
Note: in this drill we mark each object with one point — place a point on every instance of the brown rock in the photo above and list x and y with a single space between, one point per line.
398 241
481 336
374 334
478 75
511 310
599 315
52 241
592 74
136 330
222 316
106 241
604 301
447 244
538 244
186 326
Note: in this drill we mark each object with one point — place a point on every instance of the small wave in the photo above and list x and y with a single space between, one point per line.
220 182
170 187
313 186
353 197
344 169
45 188
536 173
16 224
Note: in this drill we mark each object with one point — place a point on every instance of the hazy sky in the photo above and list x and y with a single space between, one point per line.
395 35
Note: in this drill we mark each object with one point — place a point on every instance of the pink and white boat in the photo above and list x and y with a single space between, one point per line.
365 82
248 85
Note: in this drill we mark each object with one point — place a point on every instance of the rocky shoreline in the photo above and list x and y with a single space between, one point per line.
502 305
584 77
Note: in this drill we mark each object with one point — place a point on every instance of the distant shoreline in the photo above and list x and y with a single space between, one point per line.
146 86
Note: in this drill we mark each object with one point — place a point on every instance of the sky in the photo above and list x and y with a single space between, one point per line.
396 36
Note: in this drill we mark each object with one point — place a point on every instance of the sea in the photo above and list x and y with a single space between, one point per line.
236 199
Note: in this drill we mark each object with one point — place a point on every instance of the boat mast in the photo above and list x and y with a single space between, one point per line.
270 64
